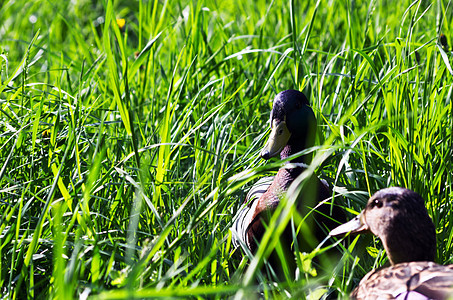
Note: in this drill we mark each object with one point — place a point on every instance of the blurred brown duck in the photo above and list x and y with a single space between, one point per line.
399 218
293 129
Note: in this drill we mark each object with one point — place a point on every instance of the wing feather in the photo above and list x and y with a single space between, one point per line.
413 280
245 214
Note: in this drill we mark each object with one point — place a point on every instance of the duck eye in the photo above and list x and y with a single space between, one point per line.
280 131
377 203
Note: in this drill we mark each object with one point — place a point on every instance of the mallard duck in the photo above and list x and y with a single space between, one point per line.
293 129
399 218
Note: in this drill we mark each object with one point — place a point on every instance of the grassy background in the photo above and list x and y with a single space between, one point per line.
120 147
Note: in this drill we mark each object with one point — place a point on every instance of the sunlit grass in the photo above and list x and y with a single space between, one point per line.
121 147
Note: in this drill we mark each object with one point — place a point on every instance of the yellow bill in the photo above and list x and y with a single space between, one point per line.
277 140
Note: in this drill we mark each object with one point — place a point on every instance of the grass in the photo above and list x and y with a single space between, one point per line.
120 148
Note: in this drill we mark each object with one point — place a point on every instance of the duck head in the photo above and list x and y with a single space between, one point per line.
399 218
293 126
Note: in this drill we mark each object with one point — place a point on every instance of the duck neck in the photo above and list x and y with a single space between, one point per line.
294 146
421 240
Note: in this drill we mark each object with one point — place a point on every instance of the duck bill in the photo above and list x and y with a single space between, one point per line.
356 225
278 139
